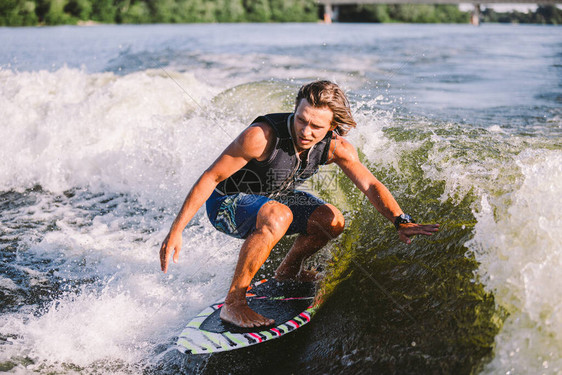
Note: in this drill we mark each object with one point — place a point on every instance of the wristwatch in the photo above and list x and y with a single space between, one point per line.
403 219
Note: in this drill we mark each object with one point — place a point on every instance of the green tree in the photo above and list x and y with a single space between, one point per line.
41 9
452 14
56 14
374 13
257 10
545 14
136 12
293 10
549 14
80 9
195 11
417 13
229 11
380 13
163 11
205 11
17 13
104 11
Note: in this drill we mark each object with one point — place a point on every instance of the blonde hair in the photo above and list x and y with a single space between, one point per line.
328 94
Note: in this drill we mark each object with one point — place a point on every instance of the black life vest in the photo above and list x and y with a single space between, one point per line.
283 171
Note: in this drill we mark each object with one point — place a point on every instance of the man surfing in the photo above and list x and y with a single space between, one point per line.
251 193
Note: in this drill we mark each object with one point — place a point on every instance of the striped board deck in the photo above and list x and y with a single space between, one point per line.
290 304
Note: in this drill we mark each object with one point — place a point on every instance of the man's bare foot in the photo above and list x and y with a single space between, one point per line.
303 276
241 315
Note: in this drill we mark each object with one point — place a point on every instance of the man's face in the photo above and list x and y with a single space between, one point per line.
311 124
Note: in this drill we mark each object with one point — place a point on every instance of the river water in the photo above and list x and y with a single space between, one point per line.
104 129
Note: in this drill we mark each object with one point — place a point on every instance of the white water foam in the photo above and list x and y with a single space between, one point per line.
132 133
521 262
128 148
117 322
123 306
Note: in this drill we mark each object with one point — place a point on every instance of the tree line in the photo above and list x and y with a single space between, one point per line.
60 12
414 13
545 14
441 13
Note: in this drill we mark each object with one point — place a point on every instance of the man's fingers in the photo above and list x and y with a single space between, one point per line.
423 228
410 230
170 244
404 238
164 257
426 228
427 232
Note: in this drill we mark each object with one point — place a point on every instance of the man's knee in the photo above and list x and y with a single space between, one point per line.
275 217
326 220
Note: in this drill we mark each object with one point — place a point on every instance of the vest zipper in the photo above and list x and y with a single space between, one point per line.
288 181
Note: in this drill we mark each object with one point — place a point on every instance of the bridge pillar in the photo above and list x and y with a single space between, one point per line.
328 11
475 16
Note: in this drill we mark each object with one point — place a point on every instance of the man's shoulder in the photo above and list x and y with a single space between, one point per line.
263 134
277 121
258 131
342 150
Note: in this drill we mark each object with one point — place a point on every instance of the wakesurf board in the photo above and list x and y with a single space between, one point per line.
291 304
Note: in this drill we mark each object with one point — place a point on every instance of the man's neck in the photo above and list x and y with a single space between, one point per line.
300 152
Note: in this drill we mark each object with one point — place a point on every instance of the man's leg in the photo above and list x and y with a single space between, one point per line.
324 224
272 222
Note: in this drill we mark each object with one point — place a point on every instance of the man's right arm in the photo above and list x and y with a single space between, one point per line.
252 143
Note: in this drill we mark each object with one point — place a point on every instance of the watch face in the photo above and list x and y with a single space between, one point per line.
402 219
406 218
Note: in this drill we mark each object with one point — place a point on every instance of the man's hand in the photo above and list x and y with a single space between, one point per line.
172 242
407 230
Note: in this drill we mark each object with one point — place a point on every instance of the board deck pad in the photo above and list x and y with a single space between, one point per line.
289 303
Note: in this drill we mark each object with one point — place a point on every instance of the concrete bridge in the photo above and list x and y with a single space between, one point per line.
331 6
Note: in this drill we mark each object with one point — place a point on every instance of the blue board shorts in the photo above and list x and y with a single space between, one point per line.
236 214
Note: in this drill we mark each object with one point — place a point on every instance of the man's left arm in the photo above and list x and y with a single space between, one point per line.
347 159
